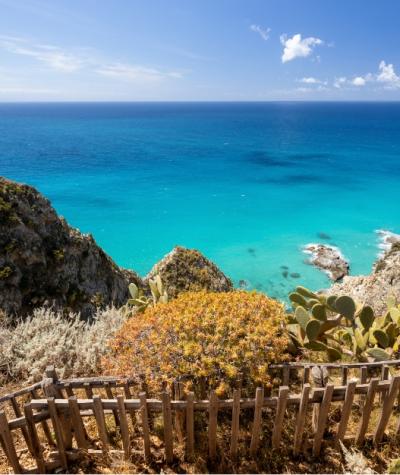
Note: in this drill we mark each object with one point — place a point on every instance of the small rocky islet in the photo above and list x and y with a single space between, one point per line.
46 262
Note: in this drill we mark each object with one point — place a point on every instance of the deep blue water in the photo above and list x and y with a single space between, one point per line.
245 183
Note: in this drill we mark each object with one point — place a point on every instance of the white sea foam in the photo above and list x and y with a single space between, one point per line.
386 240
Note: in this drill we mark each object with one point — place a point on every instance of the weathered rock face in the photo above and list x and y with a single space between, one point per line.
187 269
374 289
329 259
45 261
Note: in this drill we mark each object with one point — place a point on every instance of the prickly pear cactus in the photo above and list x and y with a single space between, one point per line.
341 329
141 301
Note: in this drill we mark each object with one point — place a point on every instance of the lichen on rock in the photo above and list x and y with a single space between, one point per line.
44 261
188 270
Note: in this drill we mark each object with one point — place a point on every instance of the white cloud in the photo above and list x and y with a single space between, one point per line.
52 56
310 80
134 72
296 47
263 32
387 75
339 82
358 81
63 61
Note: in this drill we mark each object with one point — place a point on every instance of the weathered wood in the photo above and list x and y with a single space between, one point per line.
5 435
178 396
306 374
346 411
285 375
280 413
44 424
68 390
366 414
320 378
189 426
235 423
301 418
77 423
255 433
101 423
384 377
363 380
144 416
25 433
322 417
345 372
386 409
57 432
123 426
88 390
36 446
128 395
212 425
373 364
110 395
167 419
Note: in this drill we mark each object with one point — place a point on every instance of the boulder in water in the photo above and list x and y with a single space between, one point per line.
329 259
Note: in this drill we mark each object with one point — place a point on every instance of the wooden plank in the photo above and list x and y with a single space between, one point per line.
384 377
363 380
132 413
366 414
306 375
212 425
285 375
235 423
167 419
255 435
44 424
5 435
178 395
345 372
386 409
25 433
346 411
68 390
33 436
144 416
57 432
322 417
123 426
111 396
77 423
101 423
280 413
189 426
301 418
88 390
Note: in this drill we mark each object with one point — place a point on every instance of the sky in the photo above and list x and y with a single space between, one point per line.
199 50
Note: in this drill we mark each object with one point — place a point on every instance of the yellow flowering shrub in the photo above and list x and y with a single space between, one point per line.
204 338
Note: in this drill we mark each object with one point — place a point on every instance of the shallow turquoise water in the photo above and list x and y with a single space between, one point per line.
246 184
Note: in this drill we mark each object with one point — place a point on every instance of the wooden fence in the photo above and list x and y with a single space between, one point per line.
57 426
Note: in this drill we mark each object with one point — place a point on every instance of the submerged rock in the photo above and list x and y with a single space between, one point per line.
187 269
329 259
376 288
44 261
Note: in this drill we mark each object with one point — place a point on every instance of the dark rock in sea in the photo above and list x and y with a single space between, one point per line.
329 259
376 288
243 284
324 236
295 275
251 251
187 269
284 267
285 274
44 261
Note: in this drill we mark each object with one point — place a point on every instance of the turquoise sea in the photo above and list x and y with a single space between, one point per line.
248 184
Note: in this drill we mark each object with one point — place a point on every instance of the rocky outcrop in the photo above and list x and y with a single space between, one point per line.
187 269
44 261
329 259
374 289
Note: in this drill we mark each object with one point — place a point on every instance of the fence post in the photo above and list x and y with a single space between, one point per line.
280 413
212 425
301 418
322 417
346 410
6 437
235 423
386 409
320 378
145 425
190 426
167 419
35 442
255 436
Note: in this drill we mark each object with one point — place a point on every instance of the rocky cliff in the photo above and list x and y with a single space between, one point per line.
44 261
374 289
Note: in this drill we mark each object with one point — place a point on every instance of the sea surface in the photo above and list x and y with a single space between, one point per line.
248 184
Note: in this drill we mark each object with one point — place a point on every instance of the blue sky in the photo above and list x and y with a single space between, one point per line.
128 50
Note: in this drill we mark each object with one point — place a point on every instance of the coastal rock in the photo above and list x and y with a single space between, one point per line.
374 289
44 261
187 269
387 239
329 259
